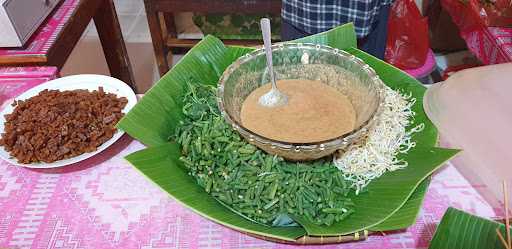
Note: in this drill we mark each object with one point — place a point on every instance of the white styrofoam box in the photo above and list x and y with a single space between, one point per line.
19 19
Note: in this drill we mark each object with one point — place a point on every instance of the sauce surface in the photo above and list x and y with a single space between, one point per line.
315 112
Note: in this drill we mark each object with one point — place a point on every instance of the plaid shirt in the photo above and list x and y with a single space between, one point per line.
315 16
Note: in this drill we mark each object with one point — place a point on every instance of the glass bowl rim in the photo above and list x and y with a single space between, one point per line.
287 145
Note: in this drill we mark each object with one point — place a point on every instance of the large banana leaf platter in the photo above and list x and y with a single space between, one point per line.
391 202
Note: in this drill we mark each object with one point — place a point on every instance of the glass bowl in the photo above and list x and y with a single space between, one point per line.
337 68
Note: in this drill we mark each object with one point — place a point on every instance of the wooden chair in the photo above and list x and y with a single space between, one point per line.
160 14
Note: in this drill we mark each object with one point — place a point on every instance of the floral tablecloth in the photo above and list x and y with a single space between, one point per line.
103 202
45 36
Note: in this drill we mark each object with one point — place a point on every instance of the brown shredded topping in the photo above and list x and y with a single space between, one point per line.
56 125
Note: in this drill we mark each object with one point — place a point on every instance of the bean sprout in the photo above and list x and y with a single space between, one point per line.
377 152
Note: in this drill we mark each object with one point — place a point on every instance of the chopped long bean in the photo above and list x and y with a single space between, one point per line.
258 185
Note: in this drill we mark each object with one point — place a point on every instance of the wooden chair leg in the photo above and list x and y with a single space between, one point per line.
71 33
170 30
112 41
157 38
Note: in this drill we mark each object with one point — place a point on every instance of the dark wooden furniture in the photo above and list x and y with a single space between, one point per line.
105 18
160 14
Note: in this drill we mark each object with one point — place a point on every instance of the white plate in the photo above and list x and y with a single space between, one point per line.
84 81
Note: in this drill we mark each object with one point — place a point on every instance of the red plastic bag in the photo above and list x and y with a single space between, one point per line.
408 42
499 12
471 15
453 69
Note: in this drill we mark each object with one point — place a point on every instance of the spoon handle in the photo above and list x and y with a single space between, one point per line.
265 31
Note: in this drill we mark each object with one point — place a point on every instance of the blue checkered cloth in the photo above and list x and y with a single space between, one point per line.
315 16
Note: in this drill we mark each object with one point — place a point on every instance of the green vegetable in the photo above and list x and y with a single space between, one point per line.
252 182
459 229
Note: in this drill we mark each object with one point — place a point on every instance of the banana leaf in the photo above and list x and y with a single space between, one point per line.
391 202
161 165
385 195
460 230
406 215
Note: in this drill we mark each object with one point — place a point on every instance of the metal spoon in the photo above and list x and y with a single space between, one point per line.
274 97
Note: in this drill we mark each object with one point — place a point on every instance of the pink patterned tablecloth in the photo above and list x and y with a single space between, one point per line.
27 72
15 80
45 36
103 202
